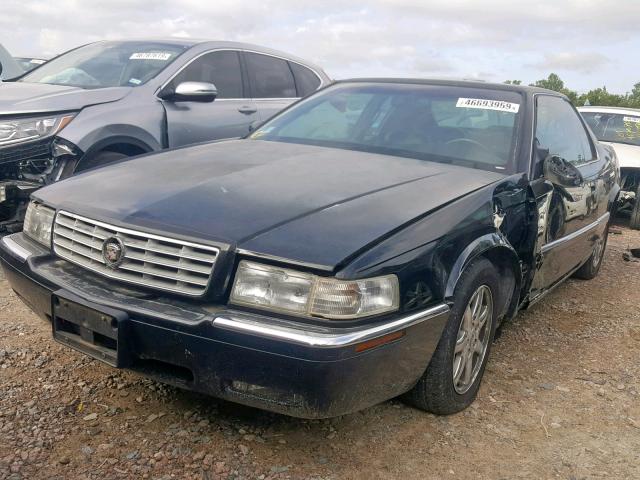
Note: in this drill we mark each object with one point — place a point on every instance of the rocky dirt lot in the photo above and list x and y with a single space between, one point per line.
560 400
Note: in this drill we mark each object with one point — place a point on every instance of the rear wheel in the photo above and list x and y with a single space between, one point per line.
634 221
592 266
452 379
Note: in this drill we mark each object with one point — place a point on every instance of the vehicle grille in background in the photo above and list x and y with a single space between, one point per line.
28 151
149 260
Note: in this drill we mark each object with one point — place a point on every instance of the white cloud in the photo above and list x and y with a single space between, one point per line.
502 38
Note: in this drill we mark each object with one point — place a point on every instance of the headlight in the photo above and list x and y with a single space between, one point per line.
38 222
24 129
289 291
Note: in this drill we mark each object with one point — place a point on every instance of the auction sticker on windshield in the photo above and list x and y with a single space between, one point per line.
164 56
632 119
485 104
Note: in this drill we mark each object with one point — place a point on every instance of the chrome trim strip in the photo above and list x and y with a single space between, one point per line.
567 238
15 248
334 339
275 258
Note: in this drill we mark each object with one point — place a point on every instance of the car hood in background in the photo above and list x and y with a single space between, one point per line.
628 155
23 98
309 204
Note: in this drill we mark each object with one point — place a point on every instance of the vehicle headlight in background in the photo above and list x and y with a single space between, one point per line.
299 293
38 222
25 129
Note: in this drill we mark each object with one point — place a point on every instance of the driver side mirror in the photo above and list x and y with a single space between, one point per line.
560 171
191 92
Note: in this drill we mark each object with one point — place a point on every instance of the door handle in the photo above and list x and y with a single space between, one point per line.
247 110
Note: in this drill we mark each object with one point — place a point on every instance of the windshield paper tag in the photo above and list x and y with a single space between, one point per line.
484 104
151 56
632 119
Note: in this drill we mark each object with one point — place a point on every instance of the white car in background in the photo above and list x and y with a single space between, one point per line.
620 128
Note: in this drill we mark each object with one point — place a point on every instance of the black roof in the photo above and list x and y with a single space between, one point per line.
456 83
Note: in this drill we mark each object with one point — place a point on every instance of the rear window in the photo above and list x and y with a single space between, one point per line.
307 82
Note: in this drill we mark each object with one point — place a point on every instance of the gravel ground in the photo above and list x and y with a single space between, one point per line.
560 400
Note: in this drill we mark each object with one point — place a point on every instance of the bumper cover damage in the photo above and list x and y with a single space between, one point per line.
272 363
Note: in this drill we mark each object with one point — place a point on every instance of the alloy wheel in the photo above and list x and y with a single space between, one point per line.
473 339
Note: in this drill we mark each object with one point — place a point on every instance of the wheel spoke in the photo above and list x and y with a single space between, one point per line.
458 368
468 368
483 316
472 339
461 342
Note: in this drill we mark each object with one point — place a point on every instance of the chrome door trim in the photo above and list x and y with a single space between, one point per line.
330 338
573 235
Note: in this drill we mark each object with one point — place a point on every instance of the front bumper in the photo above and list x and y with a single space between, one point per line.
262 361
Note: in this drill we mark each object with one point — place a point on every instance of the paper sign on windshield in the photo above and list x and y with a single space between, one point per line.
632 119
150 56
484 104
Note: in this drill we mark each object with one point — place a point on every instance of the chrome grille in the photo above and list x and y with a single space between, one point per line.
149 260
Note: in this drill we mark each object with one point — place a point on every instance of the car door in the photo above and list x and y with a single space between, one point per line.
571 216
228 116
272 82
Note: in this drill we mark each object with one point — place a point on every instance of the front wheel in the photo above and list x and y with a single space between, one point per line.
452 379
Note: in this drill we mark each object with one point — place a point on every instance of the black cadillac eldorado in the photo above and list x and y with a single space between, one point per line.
363 244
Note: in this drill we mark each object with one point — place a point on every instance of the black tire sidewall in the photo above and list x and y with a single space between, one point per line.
435 391
100 160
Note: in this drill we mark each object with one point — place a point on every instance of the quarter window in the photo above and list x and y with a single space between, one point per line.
560 131
307 82
270 77
220 68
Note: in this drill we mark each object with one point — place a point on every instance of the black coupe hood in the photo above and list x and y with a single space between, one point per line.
18 98
310 204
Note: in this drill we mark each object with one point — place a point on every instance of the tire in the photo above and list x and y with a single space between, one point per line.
437 391
634 220
100 160
592 266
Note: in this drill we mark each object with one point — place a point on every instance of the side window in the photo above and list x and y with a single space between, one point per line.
559 130
270 77
307 82
220 68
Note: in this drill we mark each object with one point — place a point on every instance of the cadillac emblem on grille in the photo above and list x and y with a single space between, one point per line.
113 252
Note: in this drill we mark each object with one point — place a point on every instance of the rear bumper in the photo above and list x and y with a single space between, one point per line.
261 361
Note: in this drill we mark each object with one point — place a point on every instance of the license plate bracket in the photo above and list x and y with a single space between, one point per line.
93 329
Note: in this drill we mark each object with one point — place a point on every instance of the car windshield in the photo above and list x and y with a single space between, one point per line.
614 127
474 127
107 64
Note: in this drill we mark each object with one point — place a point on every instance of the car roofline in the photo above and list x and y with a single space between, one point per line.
507 87
603 109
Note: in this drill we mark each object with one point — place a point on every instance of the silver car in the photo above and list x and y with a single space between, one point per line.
620 128
109 100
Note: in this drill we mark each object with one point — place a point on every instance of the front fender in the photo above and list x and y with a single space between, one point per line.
496 243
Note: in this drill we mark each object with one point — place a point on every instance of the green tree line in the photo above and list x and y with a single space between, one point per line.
597 96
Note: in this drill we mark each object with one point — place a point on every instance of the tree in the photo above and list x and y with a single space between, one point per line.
555 83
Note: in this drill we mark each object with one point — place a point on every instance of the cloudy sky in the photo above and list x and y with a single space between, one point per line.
588 43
